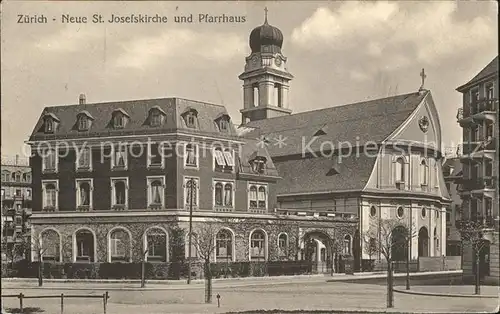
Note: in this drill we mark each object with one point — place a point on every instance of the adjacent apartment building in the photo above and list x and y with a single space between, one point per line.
479 119
16 200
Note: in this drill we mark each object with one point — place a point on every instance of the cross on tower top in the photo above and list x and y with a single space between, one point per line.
423 76
265 12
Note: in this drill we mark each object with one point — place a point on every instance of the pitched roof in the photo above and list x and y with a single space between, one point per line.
488 70
357 123
302 176
138 112
453 163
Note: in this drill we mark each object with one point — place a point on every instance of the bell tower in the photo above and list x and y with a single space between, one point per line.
266 80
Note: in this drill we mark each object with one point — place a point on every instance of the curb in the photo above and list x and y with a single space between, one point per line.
451 295
397 275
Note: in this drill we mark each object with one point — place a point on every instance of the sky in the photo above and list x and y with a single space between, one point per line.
339 52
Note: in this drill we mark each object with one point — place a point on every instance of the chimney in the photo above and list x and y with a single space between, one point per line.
82 99
17 160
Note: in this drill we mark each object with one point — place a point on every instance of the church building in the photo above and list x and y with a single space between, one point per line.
108 177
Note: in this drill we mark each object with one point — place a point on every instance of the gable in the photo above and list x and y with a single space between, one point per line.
422 126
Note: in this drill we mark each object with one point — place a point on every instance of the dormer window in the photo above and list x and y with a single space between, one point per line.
49 126
156 115
258 164
84 120
118 121
189 116
50 123
222 122
119 118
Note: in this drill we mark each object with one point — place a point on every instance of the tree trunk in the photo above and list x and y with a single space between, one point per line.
477 289
40 272
143 275
208 282
390 299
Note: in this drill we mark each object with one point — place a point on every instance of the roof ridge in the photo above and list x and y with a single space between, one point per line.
340 106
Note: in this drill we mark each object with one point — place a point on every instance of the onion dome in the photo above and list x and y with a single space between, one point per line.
266 38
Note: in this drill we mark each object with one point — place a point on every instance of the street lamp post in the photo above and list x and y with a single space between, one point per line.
192 186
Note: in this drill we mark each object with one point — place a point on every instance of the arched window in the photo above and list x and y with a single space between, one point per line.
119 246
18 177
262 197
84 246
156 241
228 194
257 245
283 244
424 172
49 246
400 170
436 241
373 211
83 123
218 194
253 196
224 245
347 245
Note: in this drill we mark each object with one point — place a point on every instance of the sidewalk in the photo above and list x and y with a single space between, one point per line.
134 285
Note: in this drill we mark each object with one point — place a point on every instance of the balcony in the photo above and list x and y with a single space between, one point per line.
485 110
477 150
464 119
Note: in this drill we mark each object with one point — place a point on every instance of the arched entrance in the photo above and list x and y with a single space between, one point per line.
399 247
317 249
423 242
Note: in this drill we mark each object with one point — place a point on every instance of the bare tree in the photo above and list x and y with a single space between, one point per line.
205 246
389 235
40 245
472 233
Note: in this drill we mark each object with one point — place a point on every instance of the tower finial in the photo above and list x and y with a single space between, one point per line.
423 76
265 12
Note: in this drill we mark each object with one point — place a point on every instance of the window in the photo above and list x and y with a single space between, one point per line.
424 212
257 196
223 194
83 123
156 241
191 189
119 157
83 159
84 193
50 244
156 118
283 244
84 246
437 214
119 246
155 155
190 118
424 171
258 164
401 212
347 245
18 192
50 194
119 197
156 188
400 173
373 211
28 193
18 177
49 125
191 155
489 91
118 120
224 245
258 245
49 161
224 159
5 176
